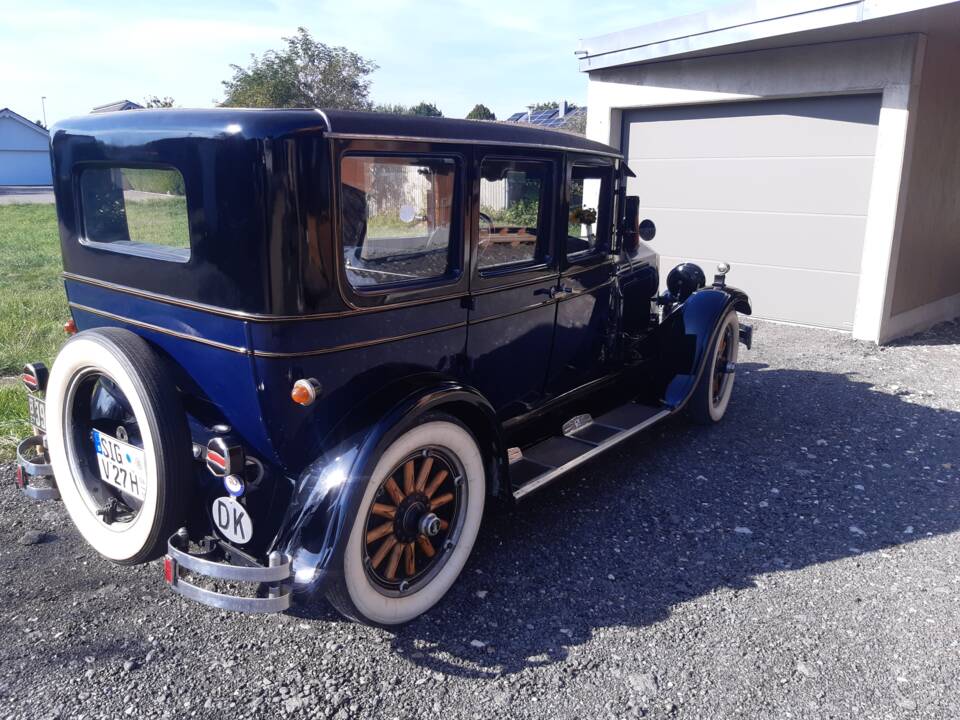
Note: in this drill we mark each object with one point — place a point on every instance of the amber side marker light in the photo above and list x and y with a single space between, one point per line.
304 392
70 327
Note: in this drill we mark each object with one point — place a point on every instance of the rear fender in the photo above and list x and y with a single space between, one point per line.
328 493
685 337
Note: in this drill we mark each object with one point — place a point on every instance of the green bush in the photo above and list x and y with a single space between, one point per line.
522 213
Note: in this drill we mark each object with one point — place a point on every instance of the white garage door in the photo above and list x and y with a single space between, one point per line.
779 189
25 167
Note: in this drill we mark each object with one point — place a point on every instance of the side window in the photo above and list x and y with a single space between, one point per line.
141 211
589 194
513 213
396 218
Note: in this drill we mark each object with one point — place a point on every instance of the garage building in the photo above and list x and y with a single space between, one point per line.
24 151
815 146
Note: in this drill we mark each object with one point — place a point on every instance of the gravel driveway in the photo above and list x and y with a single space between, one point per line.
801 559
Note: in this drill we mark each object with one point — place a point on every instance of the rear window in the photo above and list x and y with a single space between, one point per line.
140 211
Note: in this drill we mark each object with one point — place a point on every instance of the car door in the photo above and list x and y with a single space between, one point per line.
585 313
514 277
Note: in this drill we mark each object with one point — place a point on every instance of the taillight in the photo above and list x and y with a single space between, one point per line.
20 479
169 569
70 327
224 458
34 377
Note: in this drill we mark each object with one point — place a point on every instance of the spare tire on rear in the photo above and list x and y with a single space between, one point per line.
119 443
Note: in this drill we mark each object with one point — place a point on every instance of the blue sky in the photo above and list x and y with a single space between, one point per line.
504 53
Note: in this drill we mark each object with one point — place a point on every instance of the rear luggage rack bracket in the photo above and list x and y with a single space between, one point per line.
275 575
32 462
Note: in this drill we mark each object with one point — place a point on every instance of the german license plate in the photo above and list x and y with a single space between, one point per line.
121 465
37 410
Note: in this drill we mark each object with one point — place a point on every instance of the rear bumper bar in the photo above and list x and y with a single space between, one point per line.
211 563
32 463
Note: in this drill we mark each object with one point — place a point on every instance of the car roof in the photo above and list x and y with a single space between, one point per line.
272 123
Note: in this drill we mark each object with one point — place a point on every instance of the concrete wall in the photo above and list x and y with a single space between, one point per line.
883 65
927 265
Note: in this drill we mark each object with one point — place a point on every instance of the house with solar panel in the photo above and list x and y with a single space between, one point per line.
563 117
493 194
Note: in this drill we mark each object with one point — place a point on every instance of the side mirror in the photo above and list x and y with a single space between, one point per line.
631 224
647 230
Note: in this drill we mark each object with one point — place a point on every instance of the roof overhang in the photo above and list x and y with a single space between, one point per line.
11 115
761 24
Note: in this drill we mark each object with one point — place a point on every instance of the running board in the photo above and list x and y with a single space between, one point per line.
583 438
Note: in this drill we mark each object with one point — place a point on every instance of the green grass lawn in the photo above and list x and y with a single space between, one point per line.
33 307
160 221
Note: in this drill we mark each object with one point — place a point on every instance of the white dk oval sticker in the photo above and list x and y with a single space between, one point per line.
231 520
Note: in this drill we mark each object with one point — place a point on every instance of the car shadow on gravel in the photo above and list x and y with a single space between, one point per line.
807 468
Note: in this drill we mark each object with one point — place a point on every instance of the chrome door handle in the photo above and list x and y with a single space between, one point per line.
560 292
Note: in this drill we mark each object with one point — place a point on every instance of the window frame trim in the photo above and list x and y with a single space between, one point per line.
546 263
401 292
597 254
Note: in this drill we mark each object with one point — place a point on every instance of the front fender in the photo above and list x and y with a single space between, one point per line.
685 337
328 493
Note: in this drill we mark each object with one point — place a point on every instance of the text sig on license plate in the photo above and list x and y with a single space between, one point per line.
121 465
37 412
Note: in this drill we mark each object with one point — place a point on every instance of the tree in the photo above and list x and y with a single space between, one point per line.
391 108
481 112
307 73
425 109
550 105
152 101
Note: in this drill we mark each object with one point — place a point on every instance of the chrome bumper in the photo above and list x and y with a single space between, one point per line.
32 463
276 576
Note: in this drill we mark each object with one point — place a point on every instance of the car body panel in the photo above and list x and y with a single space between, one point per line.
263 302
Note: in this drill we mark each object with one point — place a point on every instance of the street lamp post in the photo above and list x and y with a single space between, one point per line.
43 104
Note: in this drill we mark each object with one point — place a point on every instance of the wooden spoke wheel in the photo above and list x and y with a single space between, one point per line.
417 523
413 521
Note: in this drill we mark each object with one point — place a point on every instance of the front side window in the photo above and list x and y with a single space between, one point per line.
513 213
590 201
397 219
141 211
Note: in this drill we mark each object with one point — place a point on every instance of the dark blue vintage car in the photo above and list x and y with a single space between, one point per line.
308 347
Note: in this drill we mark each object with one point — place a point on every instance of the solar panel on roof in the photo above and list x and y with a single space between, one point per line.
548 117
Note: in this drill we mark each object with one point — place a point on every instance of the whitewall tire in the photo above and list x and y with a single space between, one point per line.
380 587
711 398
123 368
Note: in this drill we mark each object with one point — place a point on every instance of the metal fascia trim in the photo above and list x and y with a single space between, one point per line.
157 328
251 317
359 344
465 141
